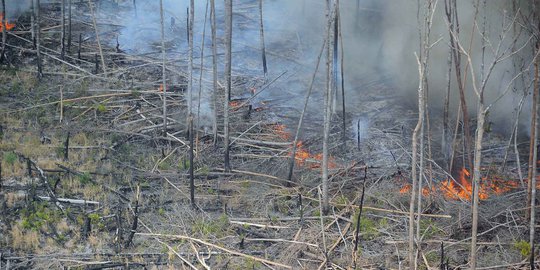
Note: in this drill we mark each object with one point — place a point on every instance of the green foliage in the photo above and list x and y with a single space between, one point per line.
428 228
523 247
42 215
215 227
101 108
161 211
85 178
59 150
183 164
368 227
10 158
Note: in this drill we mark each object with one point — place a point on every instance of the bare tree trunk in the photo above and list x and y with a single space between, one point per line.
33 23
63 22
163 70
228 66
327 103
38 38
214 69
342 70
301 120
532 180
191 161
190 57
3 25
446 125
201 71
69 26
91 6
532 145
263 48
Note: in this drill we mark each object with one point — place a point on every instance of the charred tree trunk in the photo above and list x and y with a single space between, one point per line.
228 62
191 163
69 25
135 223
80 46
66 147
358 222
532 146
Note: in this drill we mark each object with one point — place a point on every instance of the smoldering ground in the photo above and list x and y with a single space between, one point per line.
380 40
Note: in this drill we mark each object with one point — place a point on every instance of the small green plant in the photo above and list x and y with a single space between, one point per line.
523 247
101 108
85 178
161 211
41 215
10 158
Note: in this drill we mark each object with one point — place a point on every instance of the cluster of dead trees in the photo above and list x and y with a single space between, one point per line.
521 24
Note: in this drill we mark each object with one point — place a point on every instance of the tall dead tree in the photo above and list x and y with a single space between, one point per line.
261 34
163 69
331 8
63 28
228 67
3 25
532 180
69 26
190 56
38 38
214 69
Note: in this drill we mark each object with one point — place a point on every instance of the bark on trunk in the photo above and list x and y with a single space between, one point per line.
228 63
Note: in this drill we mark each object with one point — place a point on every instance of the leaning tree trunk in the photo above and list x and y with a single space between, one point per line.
228 63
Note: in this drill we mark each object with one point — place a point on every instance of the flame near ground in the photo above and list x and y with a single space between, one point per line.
461 187
8 25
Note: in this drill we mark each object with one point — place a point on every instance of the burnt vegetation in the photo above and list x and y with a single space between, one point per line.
252 134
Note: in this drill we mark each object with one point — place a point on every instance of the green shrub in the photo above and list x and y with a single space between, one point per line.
10 158
523 247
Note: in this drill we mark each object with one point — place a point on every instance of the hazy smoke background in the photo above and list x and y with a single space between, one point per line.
380 38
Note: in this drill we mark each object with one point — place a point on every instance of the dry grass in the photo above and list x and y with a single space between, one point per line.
27 240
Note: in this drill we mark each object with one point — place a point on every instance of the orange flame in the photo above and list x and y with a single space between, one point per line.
8 25
462 187
161 88
234 104
303 157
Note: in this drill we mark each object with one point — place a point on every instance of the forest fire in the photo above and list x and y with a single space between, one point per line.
303 157
8 25
462 188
